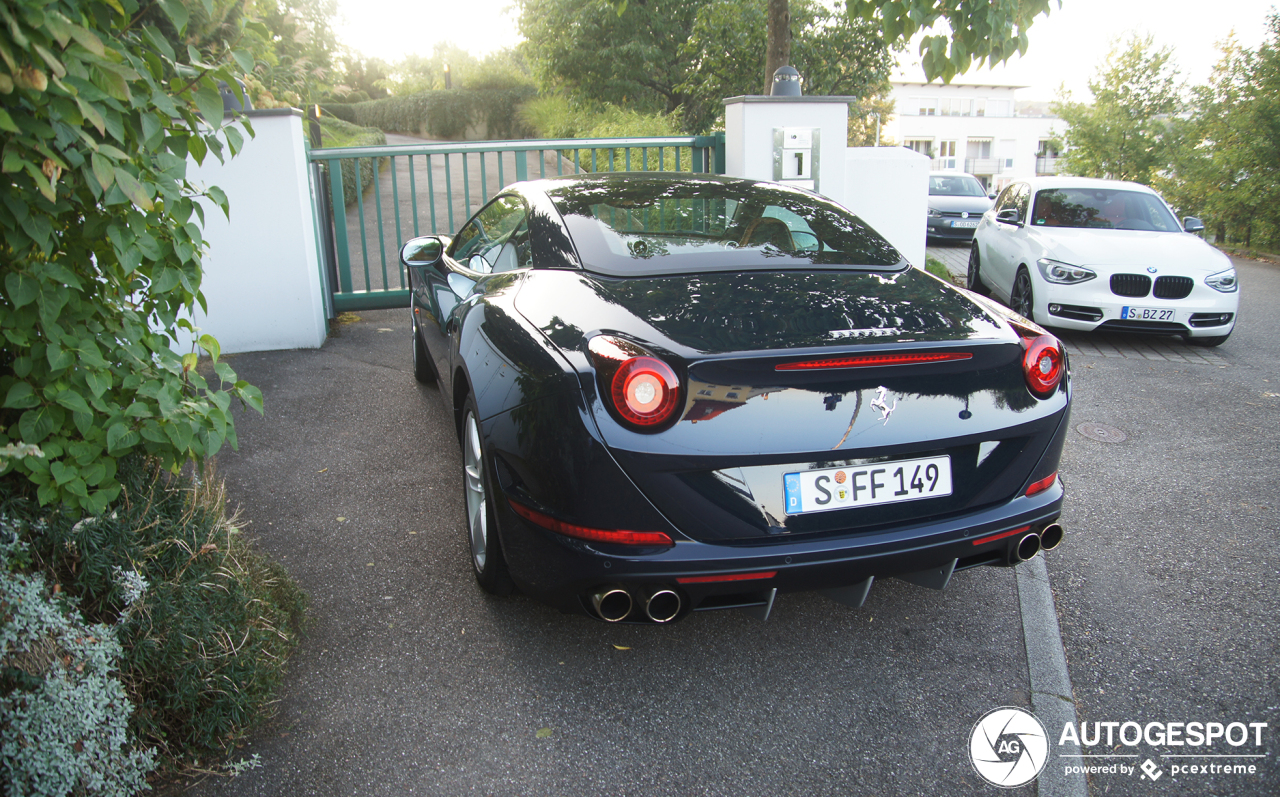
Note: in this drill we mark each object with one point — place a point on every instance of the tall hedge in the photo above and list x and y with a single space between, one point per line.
447 114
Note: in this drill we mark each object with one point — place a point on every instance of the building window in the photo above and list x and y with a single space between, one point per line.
998 108
927 107
979 107
922 145
956 106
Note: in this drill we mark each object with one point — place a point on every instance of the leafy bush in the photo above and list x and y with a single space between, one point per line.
63 713
450 114
206 623
102 244
337 133
341 110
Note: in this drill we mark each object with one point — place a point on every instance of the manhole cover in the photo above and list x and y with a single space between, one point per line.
1101 432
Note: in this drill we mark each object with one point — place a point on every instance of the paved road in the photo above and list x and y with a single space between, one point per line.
412 681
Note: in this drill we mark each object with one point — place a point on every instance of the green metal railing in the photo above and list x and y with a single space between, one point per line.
431 189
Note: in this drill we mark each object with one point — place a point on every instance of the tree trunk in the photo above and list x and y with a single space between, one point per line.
778 47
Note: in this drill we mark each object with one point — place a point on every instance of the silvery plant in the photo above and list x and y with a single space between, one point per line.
64 716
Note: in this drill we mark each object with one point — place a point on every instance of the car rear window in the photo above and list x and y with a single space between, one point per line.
643 226
1102 208
955 185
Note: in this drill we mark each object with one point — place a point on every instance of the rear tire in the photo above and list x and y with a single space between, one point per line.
973 279
1021 298
482 531
423 369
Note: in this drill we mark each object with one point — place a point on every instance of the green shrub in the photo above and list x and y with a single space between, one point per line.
63 713
342 110
337 133
447 114
205 621
102 244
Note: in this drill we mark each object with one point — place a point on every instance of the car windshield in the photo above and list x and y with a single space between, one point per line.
1102 208
955 185
641 225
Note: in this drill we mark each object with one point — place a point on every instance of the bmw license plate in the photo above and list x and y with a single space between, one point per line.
968 224
1146 314
866 485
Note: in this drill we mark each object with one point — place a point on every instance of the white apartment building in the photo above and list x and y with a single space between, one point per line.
976 129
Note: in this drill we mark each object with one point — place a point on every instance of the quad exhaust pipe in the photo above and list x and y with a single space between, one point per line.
662 605
1050 537
613 604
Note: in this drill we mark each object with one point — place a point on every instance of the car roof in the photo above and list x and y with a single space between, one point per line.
1039 183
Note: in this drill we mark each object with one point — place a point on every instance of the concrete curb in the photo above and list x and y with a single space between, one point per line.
1051 697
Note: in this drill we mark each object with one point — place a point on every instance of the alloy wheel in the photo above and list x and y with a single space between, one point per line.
477 496
1021 298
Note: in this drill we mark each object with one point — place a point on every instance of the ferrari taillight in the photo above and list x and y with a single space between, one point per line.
643 390
1042 363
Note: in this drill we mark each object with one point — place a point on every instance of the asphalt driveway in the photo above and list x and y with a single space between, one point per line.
413 681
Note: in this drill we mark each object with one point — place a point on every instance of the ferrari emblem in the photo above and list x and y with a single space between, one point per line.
885 410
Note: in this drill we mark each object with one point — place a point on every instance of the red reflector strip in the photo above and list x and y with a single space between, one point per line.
1042 485
616 536
869 360
730 577
1001 535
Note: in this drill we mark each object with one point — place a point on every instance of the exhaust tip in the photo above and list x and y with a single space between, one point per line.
662 605
1051 537
612 604
1028 547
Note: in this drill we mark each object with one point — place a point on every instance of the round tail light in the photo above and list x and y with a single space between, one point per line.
643 390
1042 363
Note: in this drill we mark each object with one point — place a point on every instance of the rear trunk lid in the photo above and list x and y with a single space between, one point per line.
718 473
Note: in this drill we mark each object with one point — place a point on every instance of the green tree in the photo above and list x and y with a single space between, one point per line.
596 54
1121 135
981 31
1224 158
101 251
725 52
297 50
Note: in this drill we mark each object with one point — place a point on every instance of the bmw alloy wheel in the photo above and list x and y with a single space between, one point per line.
1021 300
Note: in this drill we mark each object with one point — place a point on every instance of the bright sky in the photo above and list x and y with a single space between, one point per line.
1065 47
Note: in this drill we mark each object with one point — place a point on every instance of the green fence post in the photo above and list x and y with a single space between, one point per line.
522 165
340 226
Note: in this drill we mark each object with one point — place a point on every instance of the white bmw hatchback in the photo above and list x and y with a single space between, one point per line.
1080 253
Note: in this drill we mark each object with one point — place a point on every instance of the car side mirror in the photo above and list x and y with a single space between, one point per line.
1008 216
1192 224
420 252
992 197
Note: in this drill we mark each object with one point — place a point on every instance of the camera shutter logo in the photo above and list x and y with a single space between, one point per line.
1008 747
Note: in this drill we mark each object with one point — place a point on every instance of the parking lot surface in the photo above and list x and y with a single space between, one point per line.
413 681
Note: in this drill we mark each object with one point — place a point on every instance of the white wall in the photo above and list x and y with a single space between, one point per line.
261 273
750 122
888 187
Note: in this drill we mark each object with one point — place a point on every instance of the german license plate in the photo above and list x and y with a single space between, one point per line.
866 485
968 224
1146 314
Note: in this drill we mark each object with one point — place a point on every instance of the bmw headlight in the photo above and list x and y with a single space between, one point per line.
1063 273
1224 281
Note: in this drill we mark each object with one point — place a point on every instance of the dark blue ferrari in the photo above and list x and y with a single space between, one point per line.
678 393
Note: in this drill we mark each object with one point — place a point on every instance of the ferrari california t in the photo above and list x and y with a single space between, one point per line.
679 393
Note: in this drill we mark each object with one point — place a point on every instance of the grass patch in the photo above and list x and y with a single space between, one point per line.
936 267
206 622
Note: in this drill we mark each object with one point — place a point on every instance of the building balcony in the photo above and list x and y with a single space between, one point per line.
985 166
1046 165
